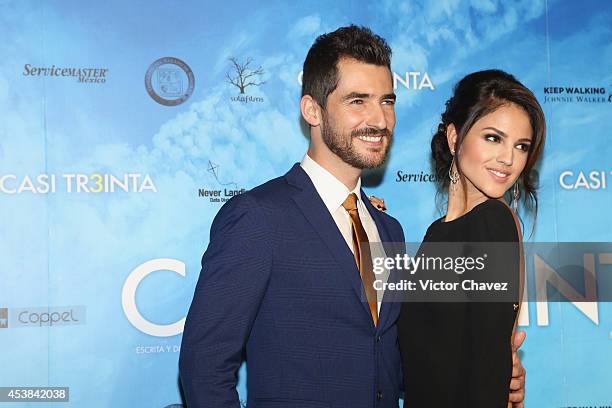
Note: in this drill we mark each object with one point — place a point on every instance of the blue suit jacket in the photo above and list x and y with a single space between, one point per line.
279 287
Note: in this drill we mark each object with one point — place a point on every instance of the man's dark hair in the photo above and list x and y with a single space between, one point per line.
320 75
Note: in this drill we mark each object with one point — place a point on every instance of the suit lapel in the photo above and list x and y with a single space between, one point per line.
386 308
313 208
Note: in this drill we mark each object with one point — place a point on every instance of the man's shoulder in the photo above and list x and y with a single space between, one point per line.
398 231
258 207
266 198
273 193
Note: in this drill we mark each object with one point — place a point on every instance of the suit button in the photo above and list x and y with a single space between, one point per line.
378 339
379 395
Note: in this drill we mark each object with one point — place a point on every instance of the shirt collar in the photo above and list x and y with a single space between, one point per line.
332 191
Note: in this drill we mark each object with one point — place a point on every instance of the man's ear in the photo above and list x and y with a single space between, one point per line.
451 137
311 111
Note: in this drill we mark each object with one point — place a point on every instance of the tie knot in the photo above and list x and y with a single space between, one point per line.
350 204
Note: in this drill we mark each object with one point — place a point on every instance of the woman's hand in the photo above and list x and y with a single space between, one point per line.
517 384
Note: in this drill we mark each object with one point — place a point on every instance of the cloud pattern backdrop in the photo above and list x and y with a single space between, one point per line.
73 251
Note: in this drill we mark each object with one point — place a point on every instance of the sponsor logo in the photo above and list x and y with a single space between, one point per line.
242 75
43 316
415 177
76 183
573 94
246 98
3 317
80 74
229 190
410 80
169 81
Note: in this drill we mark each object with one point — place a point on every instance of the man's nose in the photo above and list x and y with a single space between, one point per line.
377 117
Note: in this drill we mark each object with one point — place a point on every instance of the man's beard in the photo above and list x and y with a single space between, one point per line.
342 145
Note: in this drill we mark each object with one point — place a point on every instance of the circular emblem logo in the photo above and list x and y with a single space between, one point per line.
169 81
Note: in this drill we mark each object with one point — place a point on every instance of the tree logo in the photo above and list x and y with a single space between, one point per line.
242 76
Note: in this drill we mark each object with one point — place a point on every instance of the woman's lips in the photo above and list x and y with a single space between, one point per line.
499 175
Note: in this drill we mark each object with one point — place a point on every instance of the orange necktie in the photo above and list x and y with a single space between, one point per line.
361 252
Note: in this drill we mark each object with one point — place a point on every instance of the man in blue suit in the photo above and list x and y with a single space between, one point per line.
284 281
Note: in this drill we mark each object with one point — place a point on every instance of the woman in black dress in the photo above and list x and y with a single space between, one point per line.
491 135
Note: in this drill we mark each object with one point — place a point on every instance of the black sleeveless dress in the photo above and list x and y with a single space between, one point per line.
459 354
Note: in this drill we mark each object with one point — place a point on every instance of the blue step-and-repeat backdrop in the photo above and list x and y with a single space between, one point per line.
125 125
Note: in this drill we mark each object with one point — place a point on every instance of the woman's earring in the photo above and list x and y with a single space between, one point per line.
453 176
515 196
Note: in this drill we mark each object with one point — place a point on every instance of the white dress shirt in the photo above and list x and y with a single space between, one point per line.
333 193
